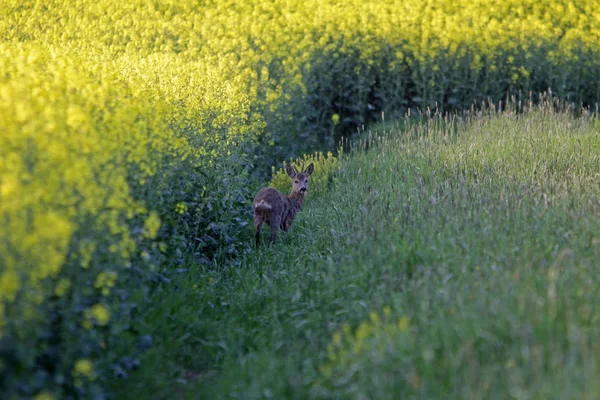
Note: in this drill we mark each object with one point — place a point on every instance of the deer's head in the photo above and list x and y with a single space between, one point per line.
299 178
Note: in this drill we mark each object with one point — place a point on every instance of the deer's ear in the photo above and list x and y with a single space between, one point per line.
310 169
290 171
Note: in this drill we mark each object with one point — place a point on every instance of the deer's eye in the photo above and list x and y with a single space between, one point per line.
296 181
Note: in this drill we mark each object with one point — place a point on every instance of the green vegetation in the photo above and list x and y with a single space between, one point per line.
132 135
453 259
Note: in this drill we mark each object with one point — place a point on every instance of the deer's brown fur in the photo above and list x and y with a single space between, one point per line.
278 210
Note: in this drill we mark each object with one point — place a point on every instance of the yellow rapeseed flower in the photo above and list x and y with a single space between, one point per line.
83 368
403 323
181 208
8 186
9 285
335 118
152 225
98 313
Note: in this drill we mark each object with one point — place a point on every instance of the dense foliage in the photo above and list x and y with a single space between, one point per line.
129 130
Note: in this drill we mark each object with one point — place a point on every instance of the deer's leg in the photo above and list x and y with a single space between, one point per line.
257 236
258 224
287 224
275 223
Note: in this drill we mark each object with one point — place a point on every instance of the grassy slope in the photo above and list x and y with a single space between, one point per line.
487 241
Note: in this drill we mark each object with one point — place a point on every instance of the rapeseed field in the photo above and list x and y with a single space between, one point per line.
130 131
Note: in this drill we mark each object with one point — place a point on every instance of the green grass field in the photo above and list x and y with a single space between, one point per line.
450 260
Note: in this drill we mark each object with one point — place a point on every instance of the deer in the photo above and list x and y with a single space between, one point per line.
278 210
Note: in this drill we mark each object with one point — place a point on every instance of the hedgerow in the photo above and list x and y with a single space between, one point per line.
102 191
129 131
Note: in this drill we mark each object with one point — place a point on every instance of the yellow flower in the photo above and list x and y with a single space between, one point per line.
9 285
181 208
152 225
83 368
8 186
98 313
403 324
105 281
363 331
335 118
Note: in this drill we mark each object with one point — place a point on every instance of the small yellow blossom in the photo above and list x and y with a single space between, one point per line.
403 324
9 285
335 118
105 281
363 331
8 186
83 368
98 313
181 208
152 225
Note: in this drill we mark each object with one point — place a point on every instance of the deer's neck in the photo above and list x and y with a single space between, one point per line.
297 199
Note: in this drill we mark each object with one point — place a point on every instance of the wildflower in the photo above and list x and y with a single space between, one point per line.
9 285
152 225
363 331
83 368
181 208
105 281
335 118
98 313
7 187
403 324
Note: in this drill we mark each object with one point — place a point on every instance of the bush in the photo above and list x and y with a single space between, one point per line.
102 193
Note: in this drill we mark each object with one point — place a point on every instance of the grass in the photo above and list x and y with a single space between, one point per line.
484 242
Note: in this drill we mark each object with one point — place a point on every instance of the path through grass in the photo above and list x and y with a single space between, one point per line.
438 266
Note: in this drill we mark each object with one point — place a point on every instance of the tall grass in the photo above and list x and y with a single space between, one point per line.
446 262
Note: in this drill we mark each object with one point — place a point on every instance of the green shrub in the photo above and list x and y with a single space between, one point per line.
100 200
